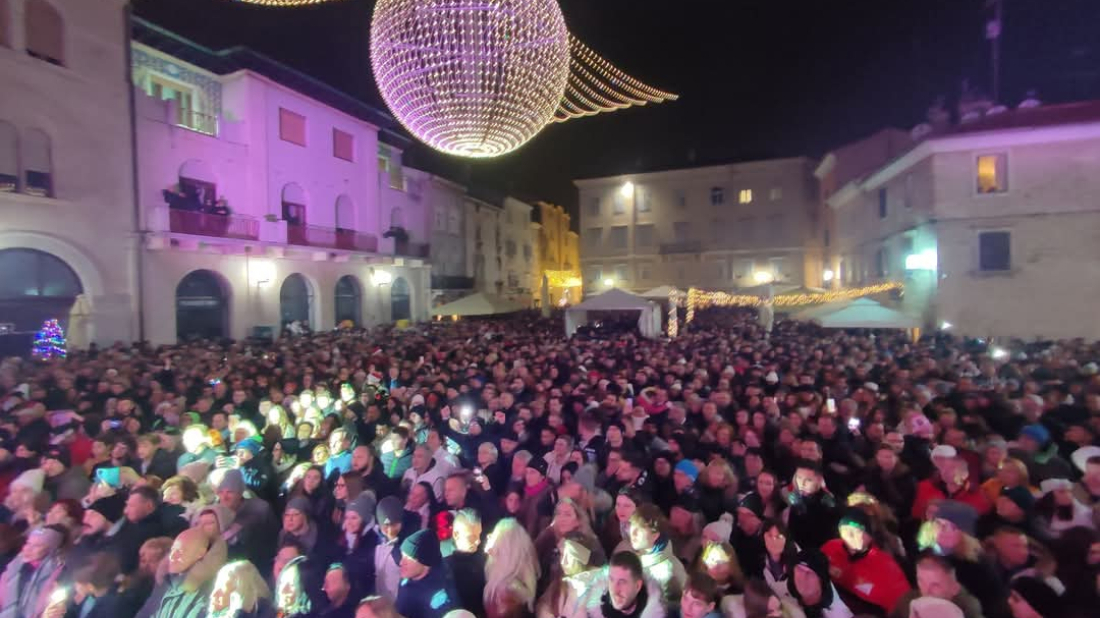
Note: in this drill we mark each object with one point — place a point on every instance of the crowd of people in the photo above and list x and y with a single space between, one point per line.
494 468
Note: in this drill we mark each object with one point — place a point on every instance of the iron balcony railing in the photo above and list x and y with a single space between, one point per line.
220 226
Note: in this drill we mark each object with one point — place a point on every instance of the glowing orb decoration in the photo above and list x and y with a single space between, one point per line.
283 2
473 78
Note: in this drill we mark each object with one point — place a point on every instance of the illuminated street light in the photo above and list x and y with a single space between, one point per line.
763 276
609 282
381 277
997 353
627 189
828 275
946 325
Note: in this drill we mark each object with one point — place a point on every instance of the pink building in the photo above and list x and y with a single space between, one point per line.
268 198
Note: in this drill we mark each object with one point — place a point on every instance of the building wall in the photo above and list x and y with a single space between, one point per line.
518 250
488 247
445 204
556 247
696 227
82 106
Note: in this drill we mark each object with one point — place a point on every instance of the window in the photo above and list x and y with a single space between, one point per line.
641 200
440 219
594 274
594 207
527 252
681 200
993 173
164 88
593 237
9 157
717 196
745 196
454 221
292 127
645 272
621 273
510 248
37 165
294 204
618 206
777 267
643 236
681 231
994 251
882 263
345 213
775 194
618 237
45 32
343 145
882 203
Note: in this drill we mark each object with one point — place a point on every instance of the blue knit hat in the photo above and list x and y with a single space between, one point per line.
1036 432
422 546
688 467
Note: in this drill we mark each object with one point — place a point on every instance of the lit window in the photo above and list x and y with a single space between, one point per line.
292 127
745 197
993 173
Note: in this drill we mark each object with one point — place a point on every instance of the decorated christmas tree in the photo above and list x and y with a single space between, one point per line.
50 341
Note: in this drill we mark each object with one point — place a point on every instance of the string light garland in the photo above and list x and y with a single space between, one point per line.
674 298
596 85
563 279
701 299
286 3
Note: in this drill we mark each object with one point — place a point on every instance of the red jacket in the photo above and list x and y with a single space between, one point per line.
875 578
930 490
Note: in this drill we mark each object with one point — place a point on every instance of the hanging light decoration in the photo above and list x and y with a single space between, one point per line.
284 2
475 78
480 78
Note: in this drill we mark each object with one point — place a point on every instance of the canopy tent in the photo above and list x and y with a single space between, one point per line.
858 313
661 292
615 300
478 304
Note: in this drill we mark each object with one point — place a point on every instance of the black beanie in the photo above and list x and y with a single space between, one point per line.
754 503
857 517
423 547
110 507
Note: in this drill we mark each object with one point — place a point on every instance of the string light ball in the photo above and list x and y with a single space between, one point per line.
473 78
284 2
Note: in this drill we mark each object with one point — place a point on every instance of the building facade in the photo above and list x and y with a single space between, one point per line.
557 253
719 228
991 224
451 276
488 254
67 220
518 255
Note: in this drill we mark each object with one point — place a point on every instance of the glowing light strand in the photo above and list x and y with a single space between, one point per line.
595 85
701 299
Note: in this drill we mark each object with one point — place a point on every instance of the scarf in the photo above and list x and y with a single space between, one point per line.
533 491
608 610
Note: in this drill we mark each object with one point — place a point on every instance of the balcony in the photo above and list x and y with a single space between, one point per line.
350 240
220 226
202 123
406 248
452 282
684 246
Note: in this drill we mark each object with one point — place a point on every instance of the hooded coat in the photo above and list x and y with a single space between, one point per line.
873 576
28 598
830 604
666 570
590 592
186 595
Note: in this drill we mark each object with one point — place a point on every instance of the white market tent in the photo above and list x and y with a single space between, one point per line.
660 293
478 304
616 300
858 313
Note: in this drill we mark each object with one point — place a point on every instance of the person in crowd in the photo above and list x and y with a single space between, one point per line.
240 592
466 563
397 456
94 594
651 543
616 531
392 531
424 470
300 527
375 606
254 523
1040 454
578 568
622 591
189 571
1017 555
292 598
860 568
152 459
63 481
1033 598
950 534
29 579
951 482
339 592
701 597
536 507
511 571
814 512
810 587
97 531
318 498
890 480
141 522
720 562
1010 473
1058 510
359 539
568 518
936 579
426 590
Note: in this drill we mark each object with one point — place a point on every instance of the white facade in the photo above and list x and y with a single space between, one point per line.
719 228
312 192
446 201
992 226
488 247
66 173
518 239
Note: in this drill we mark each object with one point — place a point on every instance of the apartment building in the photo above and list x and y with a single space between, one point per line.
720 227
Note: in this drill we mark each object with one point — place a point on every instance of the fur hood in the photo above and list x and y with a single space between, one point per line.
590 587
202 571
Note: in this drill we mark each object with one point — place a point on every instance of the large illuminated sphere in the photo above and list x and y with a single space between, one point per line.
474 78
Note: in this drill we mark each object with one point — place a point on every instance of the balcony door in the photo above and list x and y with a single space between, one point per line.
400 300
202 307
349 300
296 300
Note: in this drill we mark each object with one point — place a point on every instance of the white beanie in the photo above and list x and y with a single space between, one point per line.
33 479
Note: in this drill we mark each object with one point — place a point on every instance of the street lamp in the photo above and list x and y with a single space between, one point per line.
828 275
609 282
763 276
627 189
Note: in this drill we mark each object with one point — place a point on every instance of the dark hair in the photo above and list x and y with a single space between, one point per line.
929 559
756 597
148 493
100 572
650 516
628 560
702 586
401 431
789 549
289 542
806 464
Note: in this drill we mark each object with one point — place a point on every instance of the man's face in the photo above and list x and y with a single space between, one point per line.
886 459
285 555
693 605
294 521
421 459
148 559
230 499
137 508
359 459
855 539
94 523
35 549
623 588
411 569
806 481
391 529
52 467
934 582
454 492
641 537
466 537
336 586
1012 550
183 556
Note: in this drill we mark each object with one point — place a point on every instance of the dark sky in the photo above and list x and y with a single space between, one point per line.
757 78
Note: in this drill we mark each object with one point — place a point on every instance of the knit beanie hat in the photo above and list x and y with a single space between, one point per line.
423 547
538 464
934 607
33 479
363 505
1021 496
721 529
220 512
299 504
858 518
110 507
389 510
1041 597
752 502
959 513
1036 432
232 481
688 467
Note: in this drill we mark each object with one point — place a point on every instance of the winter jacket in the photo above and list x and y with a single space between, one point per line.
395 465
468 571
432 596
591 593
812 519
110 605
28 598
162 465
131 536
896 489
1045 464
433 476
173 599
71 484
387 574
874 577
359 560
666 570
933 489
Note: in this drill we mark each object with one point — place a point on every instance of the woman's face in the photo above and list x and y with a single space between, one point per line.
765 485
341 490
208 523
512 503
565 519
353 523
173 495
624 508
1008 475
716 562
1063 497
716 477
59 516
311 481
277 453
662 467
775 541
99 449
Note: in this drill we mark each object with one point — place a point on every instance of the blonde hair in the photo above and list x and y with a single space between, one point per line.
381 607
511 564
584 524
727 473
251 586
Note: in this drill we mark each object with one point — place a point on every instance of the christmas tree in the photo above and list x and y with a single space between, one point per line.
50 341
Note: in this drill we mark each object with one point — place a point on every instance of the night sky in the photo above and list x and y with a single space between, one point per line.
757 78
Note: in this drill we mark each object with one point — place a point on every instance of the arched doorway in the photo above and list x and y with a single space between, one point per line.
295 300
400 307
35 286
349 300
202 307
